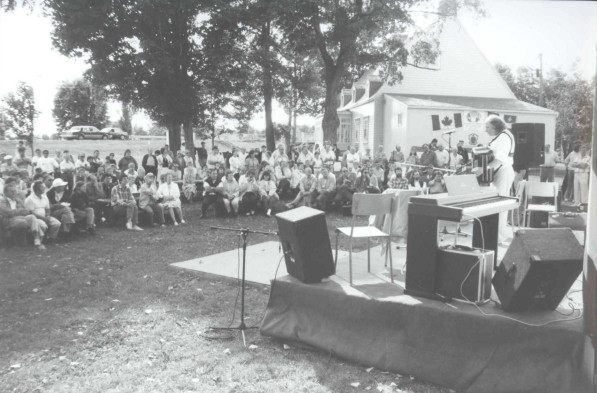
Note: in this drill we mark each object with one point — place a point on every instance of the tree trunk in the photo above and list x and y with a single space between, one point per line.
268 90
189 141
174 136
330 121
289 132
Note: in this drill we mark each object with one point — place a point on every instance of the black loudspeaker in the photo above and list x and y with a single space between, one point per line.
457 120
538 269
530 143
306 243
464 273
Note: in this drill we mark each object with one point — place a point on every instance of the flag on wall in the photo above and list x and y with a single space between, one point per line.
510 119
435 123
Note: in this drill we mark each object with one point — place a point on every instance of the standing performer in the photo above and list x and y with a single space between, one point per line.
502 146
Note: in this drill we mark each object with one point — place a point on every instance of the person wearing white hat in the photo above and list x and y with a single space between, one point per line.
8 168
60 204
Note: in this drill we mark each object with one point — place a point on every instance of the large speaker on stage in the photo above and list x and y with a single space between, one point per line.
530 143
538 269
306 243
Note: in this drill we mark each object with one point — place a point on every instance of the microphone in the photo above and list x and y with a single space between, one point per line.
449 132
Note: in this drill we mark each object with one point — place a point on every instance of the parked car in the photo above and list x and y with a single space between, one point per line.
83 132
115 133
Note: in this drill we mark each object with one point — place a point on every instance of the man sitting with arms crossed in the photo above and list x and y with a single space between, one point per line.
15 216
123 203
39 205
307 186
148 200
346 187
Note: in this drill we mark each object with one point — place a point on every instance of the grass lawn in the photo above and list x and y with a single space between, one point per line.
107 314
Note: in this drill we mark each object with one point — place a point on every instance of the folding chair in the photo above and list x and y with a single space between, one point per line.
538 189
366 205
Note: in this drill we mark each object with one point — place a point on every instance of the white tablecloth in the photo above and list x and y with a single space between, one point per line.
400 213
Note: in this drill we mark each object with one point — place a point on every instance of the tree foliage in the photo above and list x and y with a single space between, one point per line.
569 95
78 102
20 112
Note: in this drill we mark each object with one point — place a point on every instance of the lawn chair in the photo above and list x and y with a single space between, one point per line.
366 205
537 189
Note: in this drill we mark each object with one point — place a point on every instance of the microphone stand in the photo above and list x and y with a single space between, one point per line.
244 233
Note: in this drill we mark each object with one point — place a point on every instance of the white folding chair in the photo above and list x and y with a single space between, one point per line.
538 189
366 205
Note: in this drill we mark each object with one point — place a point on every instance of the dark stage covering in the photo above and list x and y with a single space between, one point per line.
454 345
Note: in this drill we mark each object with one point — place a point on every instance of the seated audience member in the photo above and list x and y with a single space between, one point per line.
82 207
39 205
437 185
170 194
22 184
306 157
95 192
131 171
132 183
252 163
366 183
125 161
80 174
189 183
267 190
8 168
47 163
212 194
215 158
307 189
150 162
111 160
325 188
317 163
398 182
179 160
345 187
93 165
124 204
22 162
236 163
230 193
176 172
249 192
81 162
15 215
221 172
59 198
416 181
148 201
202 173
328 156
379 173
295 179
108 183
284 175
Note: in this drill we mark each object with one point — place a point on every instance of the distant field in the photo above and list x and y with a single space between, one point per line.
138 148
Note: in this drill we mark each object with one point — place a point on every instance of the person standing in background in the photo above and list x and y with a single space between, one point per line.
549 163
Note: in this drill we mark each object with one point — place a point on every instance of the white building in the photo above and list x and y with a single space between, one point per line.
462 86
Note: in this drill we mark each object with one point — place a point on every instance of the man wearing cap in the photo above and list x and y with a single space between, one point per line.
7 168
202 154
14 214
123 203
59 199
47 163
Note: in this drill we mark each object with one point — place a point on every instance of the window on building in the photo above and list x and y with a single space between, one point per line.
357 130
345 130
399 120
365 129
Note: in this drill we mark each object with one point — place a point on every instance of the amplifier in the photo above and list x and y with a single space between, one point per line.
465 273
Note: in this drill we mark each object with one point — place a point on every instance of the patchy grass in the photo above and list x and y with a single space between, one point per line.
107 314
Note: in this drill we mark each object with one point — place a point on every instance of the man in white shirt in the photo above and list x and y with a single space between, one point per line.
325 187
502 145
441 156
582 168
328 156
236 163
305 157
279 156
215 158
351 157
47 163
549 163
39 205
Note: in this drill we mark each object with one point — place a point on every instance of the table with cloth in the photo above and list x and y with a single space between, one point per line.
399 221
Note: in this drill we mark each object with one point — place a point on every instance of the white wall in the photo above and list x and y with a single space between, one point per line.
393 134
367 110
419 128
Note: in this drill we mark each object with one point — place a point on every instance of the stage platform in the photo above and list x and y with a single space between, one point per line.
453 345
374 324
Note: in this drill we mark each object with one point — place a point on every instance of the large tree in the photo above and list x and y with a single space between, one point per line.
78 102
147 52
354 35
20 112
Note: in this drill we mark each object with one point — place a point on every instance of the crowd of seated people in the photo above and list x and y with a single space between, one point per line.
62 195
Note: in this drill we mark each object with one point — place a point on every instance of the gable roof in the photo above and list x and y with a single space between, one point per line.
463 103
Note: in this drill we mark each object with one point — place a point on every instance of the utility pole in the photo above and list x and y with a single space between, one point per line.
541 103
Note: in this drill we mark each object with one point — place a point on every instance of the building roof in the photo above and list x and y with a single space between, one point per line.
480 103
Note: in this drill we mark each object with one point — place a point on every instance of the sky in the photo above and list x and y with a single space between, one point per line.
513 33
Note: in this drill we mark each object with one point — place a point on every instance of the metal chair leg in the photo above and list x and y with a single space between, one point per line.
391 265
369 255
